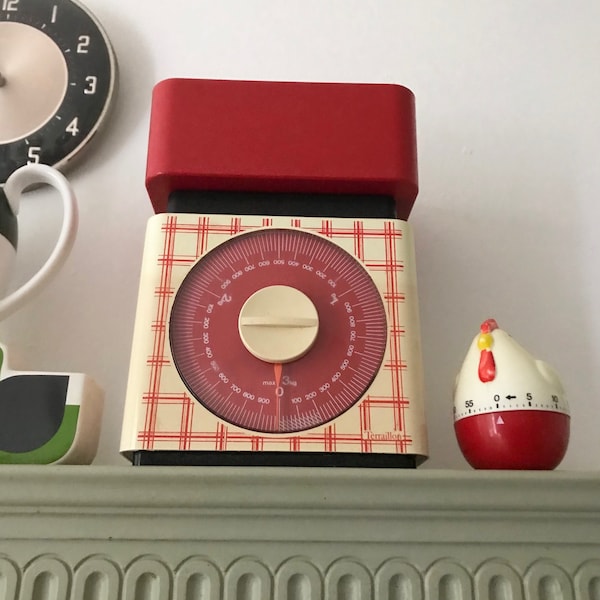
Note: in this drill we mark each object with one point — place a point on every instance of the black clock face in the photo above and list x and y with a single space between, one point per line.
57 79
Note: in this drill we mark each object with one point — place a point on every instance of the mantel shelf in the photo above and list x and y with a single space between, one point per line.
106 533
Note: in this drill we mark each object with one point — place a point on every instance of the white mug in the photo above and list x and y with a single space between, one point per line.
16 184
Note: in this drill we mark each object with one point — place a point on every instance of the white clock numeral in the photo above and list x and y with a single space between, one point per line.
84 42
73 127
34 155
11 5
92 82
54 12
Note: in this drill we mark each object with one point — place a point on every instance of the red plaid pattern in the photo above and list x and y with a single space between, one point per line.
160 412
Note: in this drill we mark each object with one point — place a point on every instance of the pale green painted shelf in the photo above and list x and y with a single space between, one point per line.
153 533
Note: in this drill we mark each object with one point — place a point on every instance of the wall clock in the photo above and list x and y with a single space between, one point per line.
57 81
277 319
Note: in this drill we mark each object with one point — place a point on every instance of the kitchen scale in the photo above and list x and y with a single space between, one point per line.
277 319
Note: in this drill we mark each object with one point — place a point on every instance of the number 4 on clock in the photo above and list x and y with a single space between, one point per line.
73 127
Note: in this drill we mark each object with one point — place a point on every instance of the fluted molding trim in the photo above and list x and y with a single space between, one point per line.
152 533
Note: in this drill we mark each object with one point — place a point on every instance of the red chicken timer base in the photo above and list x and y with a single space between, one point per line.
518 440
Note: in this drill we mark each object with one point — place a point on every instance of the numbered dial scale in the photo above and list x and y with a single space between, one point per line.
305 310
282 335
57 81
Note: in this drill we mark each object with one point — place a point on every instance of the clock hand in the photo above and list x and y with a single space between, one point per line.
2 80
277 370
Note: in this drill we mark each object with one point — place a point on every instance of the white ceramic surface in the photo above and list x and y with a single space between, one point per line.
16 184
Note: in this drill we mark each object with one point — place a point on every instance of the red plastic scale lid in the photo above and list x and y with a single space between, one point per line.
332 138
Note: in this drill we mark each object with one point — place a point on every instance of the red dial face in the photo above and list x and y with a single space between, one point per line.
241 379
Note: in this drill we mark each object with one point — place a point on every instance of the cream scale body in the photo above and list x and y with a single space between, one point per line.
277 319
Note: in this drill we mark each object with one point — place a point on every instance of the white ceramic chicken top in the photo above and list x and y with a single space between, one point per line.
499 374
504 399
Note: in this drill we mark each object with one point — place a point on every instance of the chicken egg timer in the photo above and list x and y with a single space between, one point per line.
510 410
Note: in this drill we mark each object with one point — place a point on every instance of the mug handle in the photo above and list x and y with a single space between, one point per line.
18 181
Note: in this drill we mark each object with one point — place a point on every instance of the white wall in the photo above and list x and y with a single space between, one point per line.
506 220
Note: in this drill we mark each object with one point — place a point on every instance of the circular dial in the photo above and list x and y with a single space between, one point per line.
278 330
57 80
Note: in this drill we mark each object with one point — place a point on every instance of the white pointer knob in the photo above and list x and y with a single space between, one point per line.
278 324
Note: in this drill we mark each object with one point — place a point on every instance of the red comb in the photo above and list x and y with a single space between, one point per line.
488 326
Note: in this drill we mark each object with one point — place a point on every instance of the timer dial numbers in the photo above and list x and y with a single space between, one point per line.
493 402
278 331
57 80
